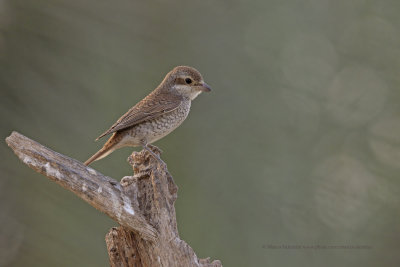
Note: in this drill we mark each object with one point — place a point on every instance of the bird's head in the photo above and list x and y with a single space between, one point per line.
186 81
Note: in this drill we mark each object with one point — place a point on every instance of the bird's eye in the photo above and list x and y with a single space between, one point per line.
188 80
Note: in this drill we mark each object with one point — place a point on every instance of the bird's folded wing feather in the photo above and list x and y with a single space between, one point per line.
149 108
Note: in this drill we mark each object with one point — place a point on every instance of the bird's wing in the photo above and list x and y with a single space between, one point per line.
149 108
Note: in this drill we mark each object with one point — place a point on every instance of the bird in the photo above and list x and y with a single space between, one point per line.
155 116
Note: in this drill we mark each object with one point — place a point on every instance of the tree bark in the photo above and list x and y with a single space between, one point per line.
143 204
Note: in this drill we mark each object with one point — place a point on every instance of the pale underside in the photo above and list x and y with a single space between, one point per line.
153 130
153 106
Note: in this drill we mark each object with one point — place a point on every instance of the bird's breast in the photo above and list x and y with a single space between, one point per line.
155 129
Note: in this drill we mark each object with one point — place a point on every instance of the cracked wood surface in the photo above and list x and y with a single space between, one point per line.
143 204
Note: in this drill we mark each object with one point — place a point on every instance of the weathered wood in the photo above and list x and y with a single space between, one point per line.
143 204
102 192
122 249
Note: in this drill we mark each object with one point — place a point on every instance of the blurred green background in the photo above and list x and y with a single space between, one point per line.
298 144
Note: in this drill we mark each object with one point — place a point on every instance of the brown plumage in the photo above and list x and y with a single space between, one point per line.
149 108
157 114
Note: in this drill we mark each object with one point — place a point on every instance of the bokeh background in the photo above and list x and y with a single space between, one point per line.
298 144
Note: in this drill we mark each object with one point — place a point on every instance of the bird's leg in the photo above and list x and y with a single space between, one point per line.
153 146
154 154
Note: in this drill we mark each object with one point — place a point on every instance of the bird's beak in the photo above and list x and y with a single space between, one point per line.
204 87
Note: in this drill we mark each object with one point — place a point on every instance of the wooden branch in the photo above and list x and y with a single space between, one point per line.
143 204
102 192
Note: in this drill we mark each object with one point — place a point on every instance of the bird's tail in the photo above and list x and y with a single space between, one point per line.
106 150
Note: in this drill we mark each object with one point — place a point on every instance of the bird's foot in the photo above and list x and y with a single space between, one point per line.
157 157
155 149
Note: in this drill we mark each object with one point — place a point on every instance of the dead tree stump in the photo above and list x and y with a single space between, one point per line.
143 204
